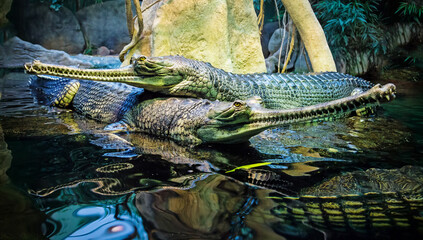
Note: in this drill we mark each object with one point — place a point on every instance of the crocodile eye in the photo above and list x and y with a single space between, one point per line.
237 104
142 58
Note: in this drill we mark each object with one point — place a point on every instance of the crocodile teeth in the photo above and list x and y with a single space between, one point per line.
388 97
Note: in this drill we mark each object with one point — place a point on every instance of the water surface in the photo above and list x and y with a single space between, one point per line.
61 177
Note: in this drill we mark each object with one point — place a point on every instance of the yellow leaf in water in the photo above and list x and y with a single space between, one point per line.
249 166
332 150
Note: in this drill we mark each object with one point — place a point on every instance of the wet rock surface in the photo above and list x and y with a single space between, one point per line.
352 134
16 52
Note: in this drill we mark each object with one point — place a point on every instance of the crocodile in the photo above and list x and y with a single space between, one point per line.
179 76
188 120
362 201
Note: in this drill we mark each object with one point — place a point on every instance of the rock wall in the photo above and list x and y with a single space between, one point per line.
4 9
104 24
222 32
101 25
52 29
266 33
299 60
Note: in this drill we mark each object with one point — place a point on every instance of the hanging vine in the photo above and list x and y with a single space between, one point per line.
135 25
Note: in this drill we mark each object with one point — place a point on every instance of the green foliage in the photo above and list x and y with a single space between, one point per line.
89 49
270 9
73 5
267 2
411 11
56 4
410 8
410 60
351 25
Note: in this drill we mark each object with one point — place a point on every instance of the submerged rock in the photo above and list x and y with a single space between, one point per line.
378 133
335 139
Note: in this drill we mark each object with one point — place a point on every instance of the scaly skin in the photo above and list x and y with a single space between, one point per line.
195 121
366 201
363 201
179 76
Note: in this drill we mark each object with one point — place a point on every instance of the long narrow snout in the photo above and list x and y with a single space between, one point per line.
107 75
262 119
332 109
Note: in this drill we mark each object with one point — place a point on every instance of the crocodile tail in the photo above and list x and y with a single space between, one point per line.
57 93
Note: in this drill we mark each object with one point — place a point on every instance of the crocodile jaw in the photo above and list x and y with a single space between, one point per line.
261 119
156 83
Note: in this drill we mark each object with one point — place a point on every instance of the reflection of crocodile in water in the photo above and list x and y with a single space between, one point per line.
375 202
356 195
363 201
192 121
174 165
176 75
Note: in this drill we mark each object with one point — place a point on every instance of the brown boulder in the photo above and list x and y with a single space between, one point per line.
222 32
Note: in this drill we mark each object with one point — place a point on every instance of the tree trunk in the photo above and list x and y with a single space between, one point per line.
312 35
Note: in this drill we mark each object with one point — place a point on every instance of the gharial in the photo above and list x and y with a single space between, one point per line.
188 120
373 201
179 76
